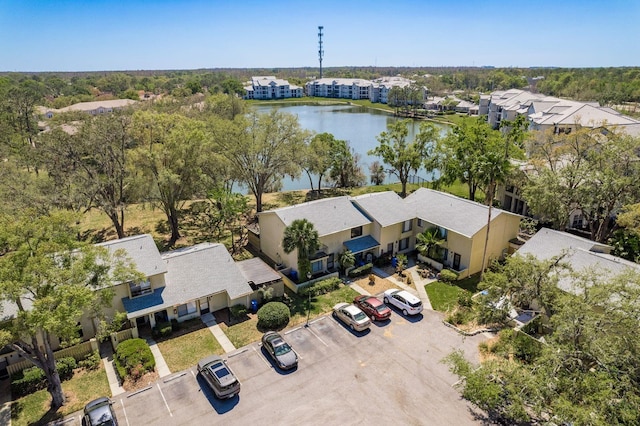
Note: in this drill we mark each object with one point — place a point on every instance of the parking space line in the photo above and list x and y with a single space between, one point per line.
296 352
237 353
318 337
292 330
165 401
177 376
261 357
126 418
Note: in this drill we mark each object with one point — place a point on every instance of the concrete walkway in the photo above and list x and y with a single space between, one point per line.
418 281
210 322
106 352
161 365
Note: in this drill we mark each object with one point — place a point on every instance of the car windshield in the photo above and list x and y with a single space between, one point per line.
282 349
360 316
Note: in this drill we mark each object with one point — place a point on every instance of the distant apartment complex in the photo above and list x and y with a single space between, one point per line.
358 88
270 87
548 112
93 108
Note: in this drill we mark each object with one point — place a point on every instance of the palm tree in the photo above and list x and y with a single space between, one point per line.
429 240
493 168
301 235
347 259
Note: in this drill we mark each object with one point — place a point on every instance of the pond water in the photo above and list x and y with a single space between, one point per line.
358 125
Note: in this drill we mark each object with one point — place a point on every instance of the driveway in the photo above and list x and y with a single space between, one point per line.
391 373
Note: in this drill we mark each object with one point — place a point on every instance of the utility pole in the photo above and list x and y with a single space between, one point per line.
320 51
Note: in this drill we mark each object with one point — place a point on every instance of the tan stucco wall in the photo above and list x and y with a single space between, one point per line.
503 228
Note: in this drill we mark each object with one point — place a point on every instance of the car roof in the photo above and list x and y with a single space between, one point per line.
373 301
352 309
410 297
208 360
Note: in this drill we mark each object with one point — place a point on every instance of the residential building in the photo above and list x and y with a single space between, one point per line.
270 87
337 221
93 108
579 253
463 224
357 88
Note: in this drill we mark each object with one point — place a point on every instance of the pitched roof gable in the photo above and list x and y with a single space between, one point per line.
329 215
386 208
143 252
456 214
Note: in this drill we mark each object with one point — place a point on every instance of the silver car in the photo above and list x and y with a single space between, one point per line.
219 376
352 316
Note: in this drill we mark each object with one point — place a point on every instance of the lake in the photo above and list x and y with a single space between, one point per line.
358 125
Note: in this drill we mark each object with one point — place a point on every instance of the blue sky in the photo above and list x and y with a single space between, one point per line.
93 35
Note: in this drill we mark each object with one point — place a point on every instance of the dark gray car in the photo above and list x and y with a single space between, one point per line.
279 350
99 413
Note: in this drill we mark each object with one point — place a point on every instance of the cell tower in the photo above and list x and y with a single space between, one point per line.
320 51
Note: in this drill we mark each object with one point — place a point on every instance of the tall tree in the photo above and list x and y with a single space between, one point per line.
345 171
401 155
49 280
494 168
457 155
263 148
317 158
169 162
302 236
593 171
92 164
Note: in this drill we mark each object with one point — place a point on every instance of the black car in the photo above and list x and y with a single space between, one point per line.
279 350
99 413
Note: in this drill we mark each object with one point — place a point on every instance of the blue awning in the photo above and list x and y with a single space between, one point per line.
358 245
144 304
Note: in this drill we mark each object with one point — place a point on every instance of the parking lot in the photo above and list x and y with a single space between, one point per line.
391 372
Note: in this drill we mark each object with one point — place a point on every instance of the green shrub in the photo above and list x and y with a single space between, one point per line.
362 270
273 315
321 287
33 379
266 293
162 329
91 361
238 311
456 318
448 276
133 358
465 300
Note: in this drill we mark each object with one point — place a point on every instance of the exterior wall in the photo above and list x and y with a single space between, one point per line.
503 228
271 231
458 244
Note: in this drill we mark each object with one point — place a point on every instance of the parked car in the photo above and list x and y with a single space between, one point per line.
373 307
99 412
279 350
352 316
403 300
219 376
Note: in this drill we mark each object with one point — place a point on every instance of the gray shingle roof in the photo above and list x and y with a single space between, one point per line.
329 215
142 250
256 271
450 212
581 254
386 208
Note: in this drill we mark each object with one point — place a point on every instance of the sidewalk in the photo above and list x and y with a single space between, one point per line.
222 338
161 365
415 278
106 353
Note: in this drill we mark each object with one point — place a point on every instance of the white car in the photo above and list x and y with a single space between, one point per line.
403 300
352 316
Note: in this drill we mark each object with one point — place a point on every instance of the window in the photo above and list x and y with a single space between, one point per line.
406 225
577 221
356 232
404 244
316 267
330 261
420 223
186 309
140 289
390 248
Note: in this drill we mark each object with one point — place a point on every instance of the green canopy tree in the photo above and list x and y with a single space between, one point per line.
169 162
302 236
317 159
402 156
49 279
345 171
262 149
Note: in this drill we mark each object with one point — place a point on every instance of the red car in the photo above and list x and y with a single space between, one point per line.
373 307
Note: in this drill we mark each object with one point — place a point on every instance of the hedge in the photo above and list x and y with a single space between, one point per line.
162 329
362 270
238 311
273 316
321 287
33 379
447 275
133 358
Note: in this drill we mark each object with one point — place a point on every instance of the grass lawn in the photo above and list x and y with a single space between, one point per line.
83 387
184 351
247 331
444 296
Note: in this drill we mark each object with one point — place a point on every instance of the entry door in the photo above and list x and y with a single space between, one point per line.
204 306
456 261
